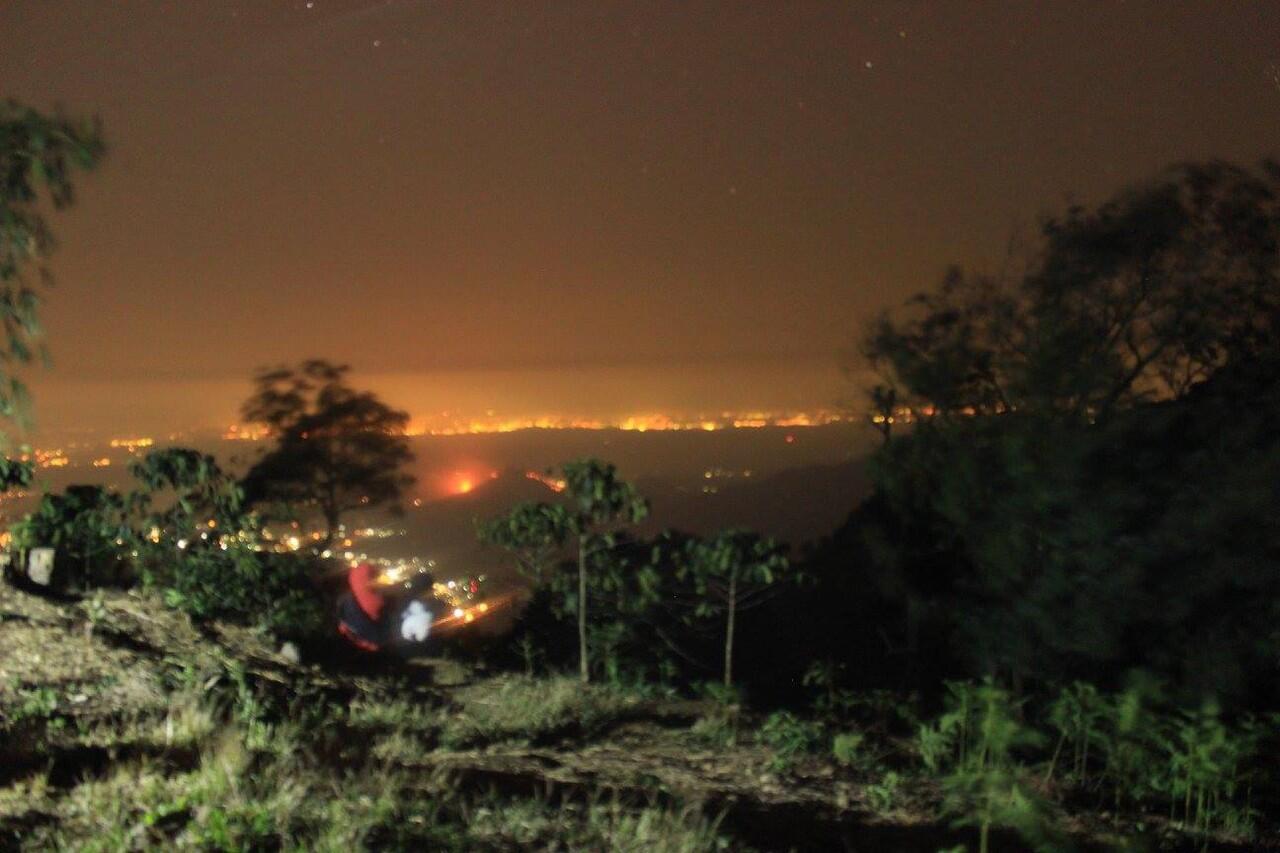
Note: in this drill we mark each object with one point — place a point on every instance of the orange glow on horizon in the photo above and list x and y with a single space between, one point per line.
655 422
645 422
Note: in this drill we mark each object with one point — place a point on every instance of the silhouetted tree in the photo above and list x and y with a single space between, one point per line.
337 449
1134 300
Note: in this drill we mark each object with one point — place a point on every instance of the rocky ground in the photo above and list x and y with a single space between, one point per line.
125 726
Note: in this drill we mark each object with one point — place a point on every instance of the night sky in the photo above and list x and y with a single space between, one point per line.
423 186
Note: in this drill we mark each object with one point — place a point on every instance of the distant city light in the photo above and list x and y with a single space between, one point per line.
132 444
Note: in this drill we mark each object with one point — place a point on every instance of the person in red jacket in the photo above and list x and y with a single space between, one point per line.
362 611
373 617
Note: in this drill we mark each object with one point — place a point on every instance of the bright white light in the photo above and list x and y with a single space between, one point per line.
457 612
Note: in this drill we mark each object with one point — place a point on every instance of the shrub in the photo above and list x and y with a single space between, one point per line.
847 747
1077 714
977 740
1206 770
789 737
883 795
262 588
86 525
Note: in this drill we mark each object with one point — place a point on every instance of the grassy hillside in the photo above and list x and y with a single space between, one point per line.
125 726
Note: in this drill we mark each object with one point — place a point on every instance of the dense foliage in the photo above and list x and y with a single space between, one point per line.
184 532
1089 482
88 525
39 154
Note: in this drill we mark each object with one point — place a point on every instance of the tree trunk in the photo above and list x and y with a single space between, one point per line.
332 517
1053 762
728 634
584 671
332 514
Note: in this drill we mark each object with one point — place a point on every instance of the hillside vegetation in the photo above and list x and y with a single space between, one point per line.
127 726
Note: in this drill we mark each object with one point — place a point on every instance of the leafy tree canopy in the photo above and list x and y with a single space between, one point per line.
38 156
596 510
731 571
1134 300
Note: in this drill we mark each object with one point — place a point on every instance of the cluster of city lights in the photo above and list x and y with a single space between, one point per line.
47 458
133 444
907 415
240 432
59 458
444 425
632 423
462 596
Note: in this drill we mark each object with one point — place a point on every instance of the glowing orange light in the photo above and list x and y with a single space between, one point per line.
555 484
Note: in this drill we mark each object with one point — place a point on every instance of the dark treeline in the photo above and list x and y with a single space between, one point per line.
1078 479
1089 483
